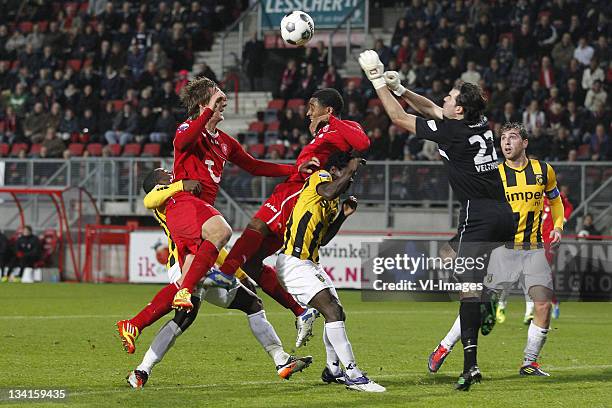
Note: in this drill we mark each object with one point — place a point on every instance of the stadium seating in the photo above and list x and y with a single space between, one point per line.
94 149
76 149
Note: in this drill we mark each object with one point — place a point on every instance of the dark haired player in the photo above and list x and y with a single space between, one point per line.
466 144
264 234
314 221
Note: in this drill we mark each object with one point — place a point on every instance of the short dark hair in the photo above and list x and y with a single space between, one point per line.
472 101
339 160
329 97
515 126
151 180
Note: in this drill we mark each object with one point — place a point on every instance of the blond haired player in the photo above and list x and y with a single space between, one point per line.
240 297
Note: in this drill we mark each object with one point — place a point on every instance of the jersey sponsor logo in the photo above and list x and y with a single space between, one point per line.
213 176
270 206
324 175
432 125
524 196
321 278
183 127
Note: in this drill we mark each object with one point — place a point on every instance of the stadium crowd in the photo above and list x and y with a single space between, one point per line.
546 64
84 79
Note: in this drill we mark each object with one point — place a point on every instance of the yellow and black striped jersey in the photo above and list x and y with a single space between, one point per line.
309 219
154 200
525 189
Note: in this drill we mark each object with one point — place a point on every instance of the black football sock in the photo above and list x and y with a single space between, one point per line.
469 315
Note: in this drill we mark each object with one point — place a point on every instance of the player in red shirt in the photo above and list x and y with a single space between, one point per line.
264 234
197 228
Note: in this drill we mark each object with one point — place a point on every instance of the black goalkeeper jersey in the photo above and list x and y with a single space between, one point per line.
469 155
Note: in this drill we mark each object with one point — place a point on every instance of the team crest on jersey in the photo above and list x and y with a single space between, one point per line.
539 180
183 127
325 128
224 148
320 277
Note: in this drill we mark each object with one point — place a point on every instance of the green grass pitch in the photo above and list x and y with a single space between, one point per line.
63 336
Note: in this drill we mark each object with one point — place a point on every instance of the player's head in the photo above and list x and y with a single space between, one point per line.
157 177
514 140
196 93
337 162
322 103
465 101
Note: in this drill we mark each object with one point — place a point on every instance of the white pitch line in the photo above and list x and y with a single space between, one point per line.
232 314
250 383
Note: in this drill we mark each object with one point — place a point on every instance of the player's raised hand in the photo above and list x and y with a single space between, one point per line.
349 206
373 68
192 186
309 166
555 237
218 101
392 79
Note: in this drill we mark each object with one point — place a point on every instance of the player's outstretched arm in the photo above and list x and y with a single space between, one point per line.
160 194
373 68
349 206
419 103
258 167
332 190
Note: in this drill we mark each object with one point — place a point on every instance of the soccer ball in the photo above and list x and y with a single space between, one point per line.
297 28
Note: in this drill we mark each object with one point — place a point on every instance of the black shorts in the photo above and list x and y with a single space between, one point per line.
483 226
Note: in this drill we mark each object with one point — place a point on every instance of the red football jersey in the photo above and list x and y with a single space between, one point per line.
200 155
337 135
547 220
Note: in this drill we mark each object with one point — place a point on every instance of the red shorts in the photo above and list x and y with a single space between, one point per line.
276 210
185 215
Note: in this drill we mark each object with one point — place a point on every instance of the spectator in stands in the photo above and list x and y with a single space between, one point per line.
547 74
509 114
254 57
522 37
288 81
68 126
54 146
165 126
533 117
88 127
401 30
384 52
602 50
539 144
584 52
436 94
353 112
563 52
158 57
500 97
591 74
483 52
308 83
34 124
600 143
352 93
375 119
588 230
379 144
562 145
492 73
545 34
425 74
573 93
397 141
124 126
332 79
471 75
28 249
14 44
112 86
536 92
136 60
595 97
145 126
505 55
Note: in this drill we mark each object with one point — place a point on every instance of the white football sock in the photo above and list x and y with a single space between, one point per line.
333 362
336 334
162 342
265 334
453 336
536 337
529 306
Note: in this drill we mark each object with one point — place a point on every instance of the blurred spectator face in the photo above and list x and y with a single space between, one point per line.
352 108
401 24
66 154
555 108
545 62
554 92
537 132
288 113
566 39
571 155
524 29
376 110
509 108
109 107
562 133
392 66
105 46
535 86
56 109
69 114
124 29
500 86
544 21
533 105
3 30
165 113
460 41
494 64
600 131
48 90
392 131
127 109
377 133
582 42
146 111
445 43
88 114
379 43
483 40
38 107
116 48
87 90
454 61
50 134
471 66
588 220
602 42
422 44
53 26
572 84
27 230
571 107
436 86
44 152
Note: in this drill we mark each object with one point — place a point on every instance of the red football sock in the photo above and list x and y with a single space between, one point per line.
204 259
245 247
268 281
160 305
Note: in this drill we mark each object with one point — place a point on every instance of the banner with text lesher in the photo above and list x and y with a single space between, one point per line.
325 13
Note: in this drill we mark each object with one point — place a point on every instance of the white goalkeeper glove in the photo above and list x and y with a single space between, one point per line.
392 80
373 68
